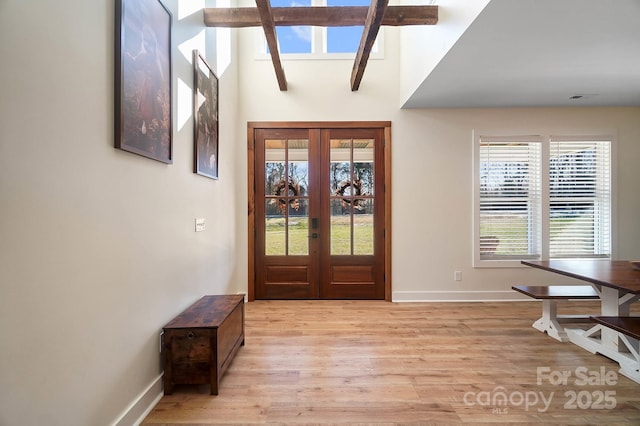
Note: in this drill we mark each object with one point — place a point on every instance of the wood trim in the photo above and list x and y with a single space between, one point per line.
317 124
264 10
387 212
251 202
372 24
243 17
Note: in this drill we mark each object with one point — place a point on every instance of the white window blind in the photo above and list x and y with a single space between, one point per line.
579 199
509 199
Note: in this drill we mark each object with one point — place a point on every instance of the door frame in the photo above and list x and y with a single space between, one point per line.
252 126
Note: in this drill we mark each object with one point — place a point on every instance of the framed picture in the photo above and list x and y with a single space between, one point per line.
143 79
205 113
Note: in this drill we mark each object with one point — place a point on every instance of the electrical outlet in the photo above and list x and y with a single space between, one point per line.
457 275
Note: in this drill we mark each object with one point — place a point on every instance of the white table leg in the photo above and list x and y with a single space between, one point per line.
610 307
616 346
549 323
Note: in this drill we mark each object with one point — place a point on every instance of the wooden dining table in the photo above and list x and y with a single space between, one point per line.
618 286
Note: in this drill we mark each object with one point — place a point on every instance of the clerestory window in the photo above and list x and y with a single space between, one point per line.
307 42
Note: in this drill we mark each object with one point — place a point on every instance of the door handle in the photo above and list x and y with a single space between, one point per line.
314 235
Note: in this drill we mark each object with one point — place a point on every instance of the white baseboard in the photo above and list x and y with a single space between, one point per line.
456 296
142 405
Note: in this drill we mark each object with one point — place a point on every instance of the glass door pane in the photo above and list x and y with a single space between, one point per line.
351 180
286 197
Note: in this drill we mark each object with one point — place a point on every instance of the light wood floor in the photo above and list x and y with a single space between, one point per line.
386 363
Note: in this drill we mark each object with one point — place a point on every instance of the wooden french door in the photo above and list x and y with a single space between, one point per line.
318 216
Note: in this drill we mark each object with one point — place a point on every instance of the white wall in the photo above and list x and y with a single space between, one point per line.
317 89
432 163
432 221
422 47
97 246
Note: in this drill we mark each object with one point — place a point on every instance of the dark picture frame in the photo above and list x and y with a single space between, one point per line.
143 79
205 116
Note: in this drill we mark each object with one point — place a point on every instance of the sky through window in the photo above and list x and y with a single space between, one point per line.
299 39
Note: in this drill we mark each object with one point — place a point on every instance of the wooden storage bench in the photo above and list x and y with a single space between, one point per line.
550 322
200 343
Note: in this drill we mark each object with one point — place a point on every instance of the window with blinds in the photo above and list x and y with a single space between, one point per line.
509 199
541 198
579 199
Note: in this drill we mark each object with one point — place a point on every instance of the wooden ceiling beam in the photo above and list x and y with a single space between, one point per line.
372 24
337 16
266 18
371 18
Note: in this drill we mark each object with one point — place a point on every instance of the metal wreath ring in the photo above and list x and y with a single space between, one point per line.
292 188
356 186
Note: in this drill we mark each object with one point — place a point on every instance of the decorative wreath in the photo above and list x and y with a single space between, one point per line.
356 190
291 188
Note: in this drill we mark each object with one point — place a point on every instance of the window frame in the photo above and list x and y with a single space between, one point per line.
319 42
600 178
545 139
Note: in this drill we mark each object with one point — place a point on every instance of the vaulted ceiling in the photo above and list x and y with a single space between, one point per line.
520 53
